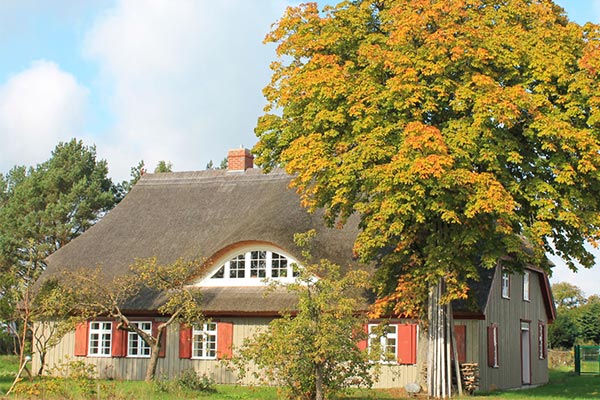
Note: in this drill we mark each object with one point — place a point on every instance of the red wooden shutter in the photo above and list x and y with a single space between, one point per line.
542 341
363 344
119 341
163 339
492 346
545 333
460 334
185 341
407 344
224 340
81 339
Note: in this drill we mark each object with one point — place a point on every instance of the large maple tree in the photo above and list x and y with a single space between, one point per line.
461 131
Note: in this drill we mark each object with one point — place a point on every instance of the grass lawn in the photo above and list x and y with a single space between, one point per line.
8 369
563 385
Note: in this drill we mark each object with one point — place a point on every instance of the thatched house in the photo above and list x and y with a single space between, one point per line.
242 221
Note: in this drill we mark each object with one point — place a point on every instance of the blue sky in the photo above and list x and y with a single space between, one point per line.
176 80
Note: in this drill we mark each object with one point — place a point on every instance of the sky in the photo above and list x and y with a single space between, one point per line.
174 80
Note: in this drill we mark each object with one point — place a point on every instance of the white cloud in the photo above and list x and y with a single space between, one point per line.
185 78
39 107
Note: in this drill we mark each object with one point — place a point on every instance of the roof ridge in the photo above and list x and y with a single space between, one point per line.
208 176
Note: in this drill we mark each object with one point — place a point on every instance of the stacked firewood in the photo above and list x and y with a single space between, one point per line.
470 376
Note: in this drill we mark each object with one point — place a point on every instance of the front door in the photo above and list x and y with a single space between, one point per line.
525 354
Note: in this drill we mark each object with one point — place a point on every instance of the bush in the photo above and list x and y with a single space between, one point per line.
191 380
69 379
187 380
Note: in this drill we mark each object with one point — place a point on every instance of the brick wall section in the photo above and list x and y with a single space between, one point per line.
239 160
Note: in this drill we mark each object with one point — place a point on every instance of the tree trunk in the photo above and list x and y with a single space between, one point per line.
319 395
153 362
440 335
154 351
42 362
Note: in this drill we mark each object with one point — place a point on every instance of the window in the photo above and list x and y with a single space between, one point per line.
394 343
493 346
505 285
136 347
204 342
542 340
251 268
526 286
100 339
384 339
209 341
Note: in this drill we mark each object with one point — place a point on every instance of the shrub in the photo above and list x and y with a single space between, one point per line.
187 380
69 379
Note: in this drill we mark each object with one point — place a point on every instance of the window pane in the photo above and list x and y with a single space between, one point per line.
198 346
106 343
279 266
219 274
237 267
505 285
258 264
94 343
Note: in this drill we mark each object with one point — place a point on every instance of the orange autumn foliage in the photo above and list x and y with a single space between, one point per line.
456 129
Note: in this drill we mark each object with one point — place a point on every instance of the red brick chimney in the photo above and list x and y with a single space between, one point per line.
239 160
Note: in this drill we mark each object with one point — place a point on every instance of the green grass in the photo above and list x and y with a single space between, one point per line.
9 366
563 385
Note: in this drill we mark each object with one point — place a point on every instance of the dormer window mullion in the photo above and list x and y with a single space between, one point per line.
269 262
247 263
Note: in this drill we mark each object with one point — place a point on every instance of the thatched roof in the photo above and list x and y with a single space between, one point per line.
200 215
196 215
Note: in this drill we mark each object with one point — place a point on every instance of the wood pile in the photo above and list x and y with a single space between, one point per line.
470 376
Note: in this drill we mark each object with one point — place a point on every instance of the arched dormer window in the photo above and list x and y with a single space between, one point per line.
251 267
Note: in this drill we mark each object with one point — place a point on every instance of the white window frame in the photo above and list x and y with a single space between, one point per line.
526 285
100 332
374 337
274 257
140 346
505 284
202 337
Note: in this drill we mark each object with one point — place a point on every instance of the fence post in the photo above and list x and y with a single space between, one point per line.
577 361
